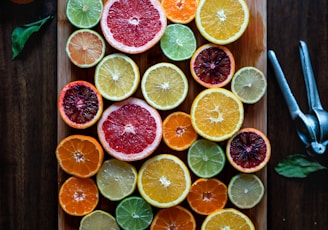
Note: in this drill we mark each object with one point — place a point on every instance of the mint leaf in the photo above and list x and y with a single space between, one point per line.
298 166
21 34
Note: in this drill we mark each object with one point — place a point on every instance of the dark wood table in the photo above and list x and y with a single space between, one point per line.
28 118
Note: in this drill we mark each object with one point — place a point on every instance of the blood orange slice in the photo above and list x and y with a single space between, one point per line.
133 26
130 130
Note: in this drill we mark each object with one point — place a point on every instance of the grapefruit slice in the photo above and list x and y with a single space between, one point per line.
130 130
133 26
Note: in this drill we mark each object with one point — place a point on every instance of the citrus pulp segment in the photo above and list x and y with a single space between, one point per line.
216 114
205 158
133 26
178 11
245 190
116 179
176 217
178 132
78 196
249 84
164 181
80 155
222 21
117 77
164 86
99 220
134 213
84 13
249 150
212 65
228 218
130 130
207 196
178 42
80 104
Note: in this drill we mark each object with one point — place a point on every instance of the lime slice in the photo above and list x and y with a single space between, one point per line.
98 220
116 179
205 158
249 84
84 13
245 190
134 213
178 42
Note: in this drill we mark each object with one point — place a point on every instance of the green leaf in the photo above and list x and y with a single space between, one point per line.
21 34
298 166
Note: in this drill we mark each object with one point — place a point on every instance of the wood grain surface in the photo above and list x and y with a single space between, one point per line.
28 118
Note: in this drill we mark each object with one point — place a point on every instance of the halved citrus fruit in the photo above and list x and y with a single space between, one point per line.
130 130
84 13
116 179
78 196
80 104
228 218
164 86
85 48
212 65
178 11
207 196
133 26
134 213
216 114
80 155
99 220
117 77
249 84
222 21
206 158
245 190
178 132
249 150
164 181
177 218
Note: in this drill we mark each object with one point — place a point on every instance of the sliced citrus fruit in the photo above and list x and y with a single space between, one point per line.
117 77
164 86
249 150
80 155
99 220
207 195
180 11
130 130
178 42
228 218
84 13
216 114
245 190
177 217
116 179
222 21
78 196
212 65
80 104
178 132
206 158
85 48
164 181
133 26
134 213
249 84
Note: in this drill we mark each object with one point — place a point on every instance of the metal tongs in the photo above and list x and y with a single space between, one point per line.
312 128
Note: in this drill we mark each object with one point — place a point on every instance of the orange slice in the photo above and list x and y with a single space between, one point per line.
180 11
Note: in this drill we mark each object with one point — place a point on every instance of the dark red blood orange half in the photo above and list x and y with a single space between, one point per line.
130 130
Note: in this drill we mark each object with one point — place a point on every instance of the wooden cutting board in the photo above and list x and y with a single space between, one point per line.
249 50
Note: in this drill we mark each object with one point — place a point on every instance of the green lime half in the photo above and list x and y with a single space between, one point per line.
84 13
134 213
178 42
245 190
98 220
206 158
